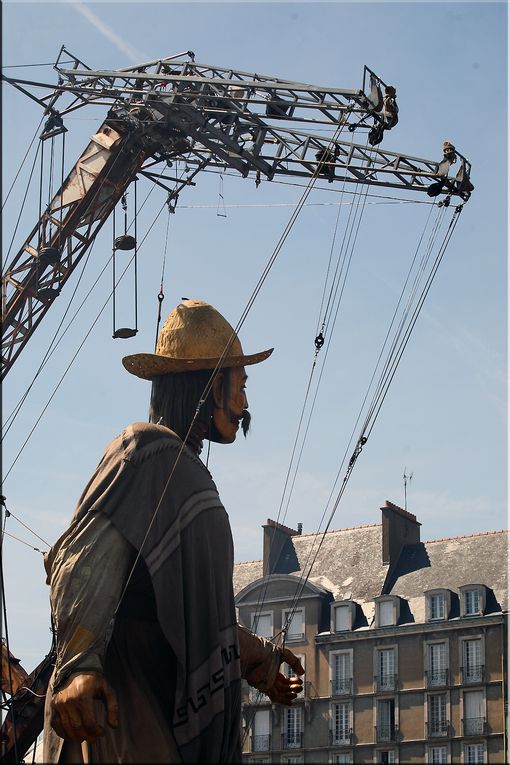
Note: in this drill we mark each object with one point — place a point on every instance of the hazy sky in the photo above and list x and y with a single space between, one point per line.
444 419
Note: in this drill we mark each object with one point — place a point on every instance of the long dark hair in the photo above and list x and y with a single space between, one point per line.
175 397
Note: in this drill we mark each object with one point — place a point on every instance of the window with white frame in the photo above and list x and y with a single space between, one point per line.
261 738
474 719
296 624
289 672
341 757
437 664
437 715
262 624
294 758
341 672
472 661
474 753
386 726
386 613
437 755
341 723
437 606
386 671
386 756
472 602
342 618
293 728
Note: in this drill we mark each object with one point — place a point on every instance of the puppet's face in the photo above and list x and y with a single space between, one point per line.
230 404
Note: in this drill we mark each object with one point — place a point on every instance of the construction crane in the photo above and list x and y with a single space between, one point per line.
176 109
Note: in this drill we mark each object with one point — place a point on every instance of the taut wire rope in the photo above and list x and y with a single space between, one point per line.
22 162
218 366
350 440
77 352
333 288
368 426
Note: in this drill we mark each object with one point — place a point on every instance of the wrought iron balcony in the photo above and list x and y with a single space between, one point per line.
473 674
292 740
386 732
341 737
474 726
341 686
261 742
385 682
438 728
437 677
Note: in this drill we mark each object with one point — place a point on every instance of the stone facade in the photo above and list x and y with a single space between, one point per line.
403 643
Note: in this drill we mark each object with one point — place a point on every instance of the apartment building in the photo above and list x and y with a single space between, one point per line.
403 644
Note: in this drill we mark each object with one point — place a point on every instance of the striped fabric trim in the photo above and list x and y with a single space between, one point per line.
196 504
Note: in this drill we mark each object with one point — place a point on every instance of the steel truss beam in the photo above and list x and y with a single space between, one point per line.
171 110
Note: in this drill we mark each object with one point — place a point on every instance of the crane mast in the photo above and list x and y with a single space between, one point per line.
168 110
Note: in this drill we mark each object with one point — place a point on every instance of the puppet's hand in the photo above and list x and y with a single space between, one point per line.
72 709
285 689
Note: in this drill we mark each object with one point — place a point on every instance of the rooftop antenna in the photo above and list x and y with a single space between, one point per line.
406 479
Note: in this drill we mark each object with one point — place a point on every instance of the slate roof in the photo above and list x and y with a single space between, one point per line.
451 563
349 565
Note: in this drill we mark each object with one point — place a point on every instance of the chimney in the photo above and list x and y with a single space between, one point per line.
399 528
279 553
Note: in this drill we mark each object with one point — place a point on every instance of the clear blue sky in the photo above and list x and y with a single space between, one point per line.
444 419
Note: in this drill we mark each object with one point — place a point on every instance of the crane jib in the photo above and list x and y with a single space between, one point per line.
169 110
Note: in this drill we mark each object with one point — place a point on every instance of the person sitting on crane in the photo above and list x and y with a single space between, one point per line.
149 655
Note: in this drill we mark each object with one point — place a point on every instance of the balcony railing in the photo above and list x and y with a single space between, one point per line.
261 743
473 674
474 726
437 677
341 686
386 682
292 740
341 737
257 697
386 732
295 637
438 728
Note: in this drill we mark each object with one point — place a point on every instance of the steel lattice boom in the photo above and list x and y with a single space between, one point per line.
173 109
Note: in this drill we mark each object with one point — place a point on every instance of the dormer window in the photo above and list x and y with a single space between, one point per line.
472 598
387 611
472 602
342 616
438 605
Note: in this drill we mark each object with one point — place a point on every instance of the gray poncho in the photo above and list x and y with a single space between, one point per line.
172 653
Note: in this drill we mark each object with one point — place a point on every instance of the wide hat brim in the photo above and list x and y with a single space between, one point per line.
150 365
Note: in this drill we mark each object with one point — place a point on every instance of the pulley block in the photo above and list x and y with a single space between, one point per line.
125 242
124 333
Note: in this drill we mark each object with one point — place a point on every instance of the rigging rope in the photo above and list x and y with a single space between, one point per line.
375 409
319 341
27 544
4 264
161 294
54 344
427 202
23 162
218 366
77 351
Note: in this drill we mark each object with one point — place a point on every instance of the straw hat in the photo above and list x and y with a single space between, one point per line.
194 336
